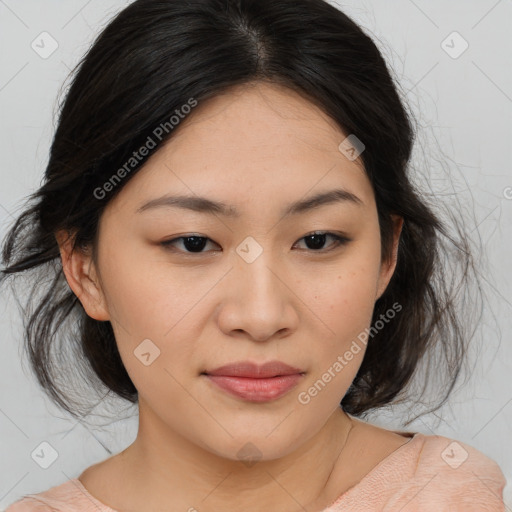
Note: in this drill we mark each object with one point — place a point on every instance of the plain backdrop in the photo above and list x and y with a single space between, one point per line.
453 63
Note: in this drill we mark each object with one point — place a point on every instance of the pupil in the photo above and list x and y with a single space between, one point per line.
318 241
197 244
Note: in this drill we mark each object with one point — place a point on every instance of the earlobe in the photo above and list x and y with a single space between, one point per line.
388 267
81 276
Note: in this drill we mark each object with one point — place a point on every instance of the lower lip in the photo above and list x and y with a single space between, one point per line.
257 390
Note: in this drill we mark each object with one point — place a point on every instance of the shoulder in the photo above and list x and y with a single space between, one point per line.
454 476
64 497
429 472
28 504
452 457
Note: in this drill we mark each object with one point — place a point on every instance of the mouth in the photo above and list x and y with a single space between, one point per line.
255 383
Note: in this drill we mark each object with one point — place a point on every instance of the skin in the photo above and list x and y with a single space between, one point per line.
258 148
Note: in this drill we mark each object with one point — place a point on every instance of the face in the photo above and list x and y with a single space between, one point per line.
189 290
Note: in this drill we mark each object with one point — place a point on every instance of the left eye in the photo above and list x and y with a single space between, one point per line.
314 241
318 239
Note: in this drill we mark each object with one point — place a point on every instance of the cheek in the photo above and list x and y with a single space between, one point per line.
354 298
147 299
346 296
144 295
344 302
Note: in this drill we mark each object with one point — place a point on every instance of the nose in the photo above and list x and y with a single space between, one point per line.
260 301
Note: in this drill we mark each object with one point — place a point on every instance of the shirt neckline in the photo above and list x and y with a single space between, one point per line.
90 497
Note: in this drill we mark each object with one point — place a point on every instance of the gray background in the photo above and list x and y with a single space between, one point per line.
464 105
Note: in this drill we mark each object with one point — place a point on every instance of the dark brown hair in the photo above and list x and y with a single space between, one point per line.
150 60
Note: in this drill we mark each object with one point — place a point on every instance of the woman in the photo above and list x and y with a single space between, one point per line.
227 209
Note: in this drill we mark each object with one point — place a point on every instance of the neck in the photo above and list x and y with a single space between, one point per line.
166 468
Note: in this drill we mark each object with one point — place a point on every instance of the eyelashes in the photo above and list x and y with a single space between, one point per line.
194 244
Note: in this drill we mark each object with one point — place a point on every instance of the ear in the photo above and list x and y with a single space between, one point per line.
82 277
388 266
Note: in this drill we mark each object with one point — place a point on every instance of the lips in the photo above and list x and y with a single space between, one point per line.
254 371
255 383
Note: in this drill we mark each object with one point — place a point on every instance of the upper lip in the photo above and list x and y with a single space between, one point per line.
254 370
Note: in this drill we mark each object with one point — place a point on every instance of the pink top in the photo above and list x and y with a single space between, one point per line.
428 473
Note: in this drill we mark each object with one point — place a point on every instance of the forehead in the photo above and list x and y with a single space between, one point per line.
261 116
256 141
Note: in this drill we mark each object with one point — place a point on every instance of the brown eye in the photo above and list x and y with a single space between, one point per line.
316 241
192 244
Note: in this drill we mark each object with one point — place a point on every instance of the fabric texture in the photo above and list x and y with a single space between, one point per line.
428 473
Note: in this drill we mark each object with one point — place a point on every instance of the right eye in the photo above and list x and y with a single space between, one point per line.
193 244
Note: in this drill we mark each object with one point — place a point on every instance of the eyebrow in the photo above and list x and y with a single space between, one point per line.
205 205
